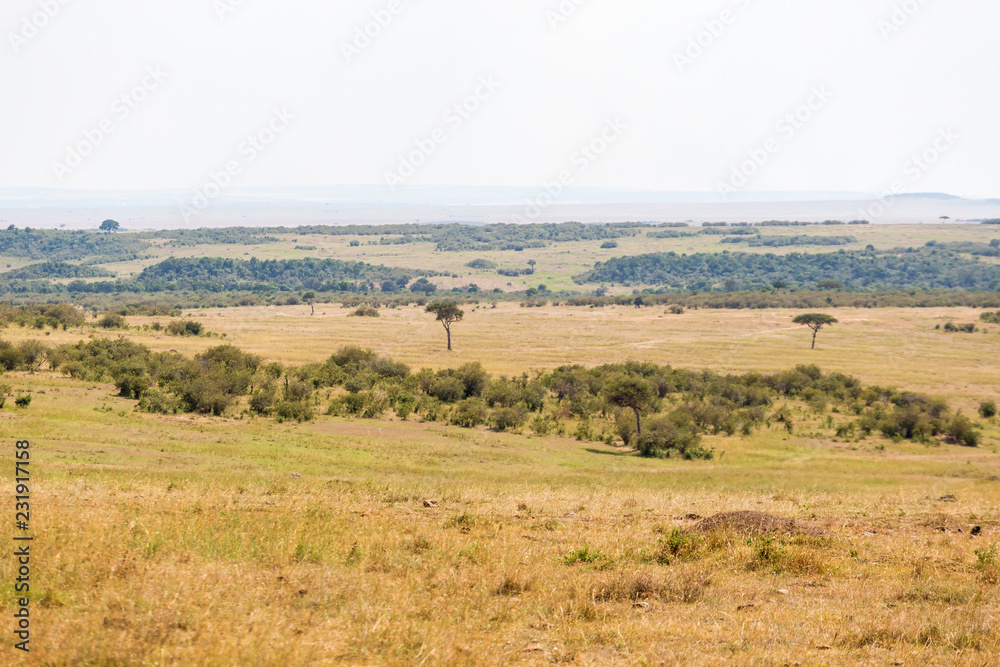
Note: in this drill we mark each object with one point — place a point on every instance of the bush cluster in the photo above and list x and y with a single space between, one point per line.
185 328
657 410
920 268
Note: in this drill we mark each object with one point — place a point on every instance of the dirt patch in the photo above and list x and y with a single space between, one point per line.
756 523
943 523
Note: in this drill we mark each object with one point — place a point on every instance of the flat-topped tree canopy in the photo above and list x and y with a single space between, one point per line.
815 321
447 313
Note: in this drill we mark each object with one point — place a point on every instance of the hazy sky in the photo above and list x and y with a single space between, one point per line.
851 95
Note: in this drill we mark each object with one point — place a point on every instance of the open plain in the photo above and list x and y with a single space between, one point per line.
185 539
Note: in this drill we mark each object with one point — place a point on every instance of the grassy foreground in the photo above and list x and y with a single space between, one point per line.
187 540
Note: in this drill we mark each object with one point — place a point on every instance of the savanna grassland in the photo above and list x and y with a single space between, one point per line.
188 539
556 263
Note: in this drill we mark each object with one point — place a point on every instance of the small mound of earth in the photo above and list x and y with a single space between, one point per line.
756 523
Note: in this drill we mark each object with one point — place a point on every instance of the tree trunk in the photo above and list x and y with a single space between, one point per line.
312 309
815 331
448 331
638 424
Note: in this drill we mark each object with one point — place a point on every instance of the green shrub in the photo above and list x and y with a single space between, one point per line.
157 402
297 390
23 401
951 327
299 411
365 311
663 437
469 413
263 400
962 431
112 321
131 377
185 328
987 409
209 392
504 419
473 378
353 403
404 405
481 264
539 425
676 544
625 427
987 558
32 354
447 389
589 556
769 554
10 357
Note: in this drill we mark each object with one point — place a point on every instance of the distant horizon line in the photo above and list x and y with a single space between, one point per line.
443 195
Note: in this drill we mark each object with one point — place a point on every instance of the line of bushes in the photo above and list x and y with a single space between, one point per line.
657 410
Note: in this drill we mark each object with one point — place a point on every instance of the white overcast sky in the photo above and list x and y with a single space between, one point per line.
686 128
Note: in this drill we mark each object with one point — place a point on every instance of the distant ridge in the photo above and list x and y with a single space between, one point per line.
370 204
930 195
376 195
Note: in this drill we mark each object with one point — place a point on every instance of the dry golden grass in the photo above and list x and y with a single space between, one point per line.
891 346
183 540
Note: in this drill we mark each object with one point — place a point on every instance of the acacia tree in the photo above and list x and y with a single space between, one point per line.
109 226
33 354
310 297
631 391
815 321
447 313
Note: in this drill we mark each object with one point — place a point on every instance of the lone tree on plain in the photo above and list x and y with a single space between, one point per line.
815 321
310 297
109 226
631 391
447 313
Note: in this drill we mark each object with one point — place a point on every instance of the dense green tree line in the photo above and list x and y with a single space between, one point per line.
61 315
213 236
60 245
447 237
790 241
52 270
923 268
782 298
991 249
217 274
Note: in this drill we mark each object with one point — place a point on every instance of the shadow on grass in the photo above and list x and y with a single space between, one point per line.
607 453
